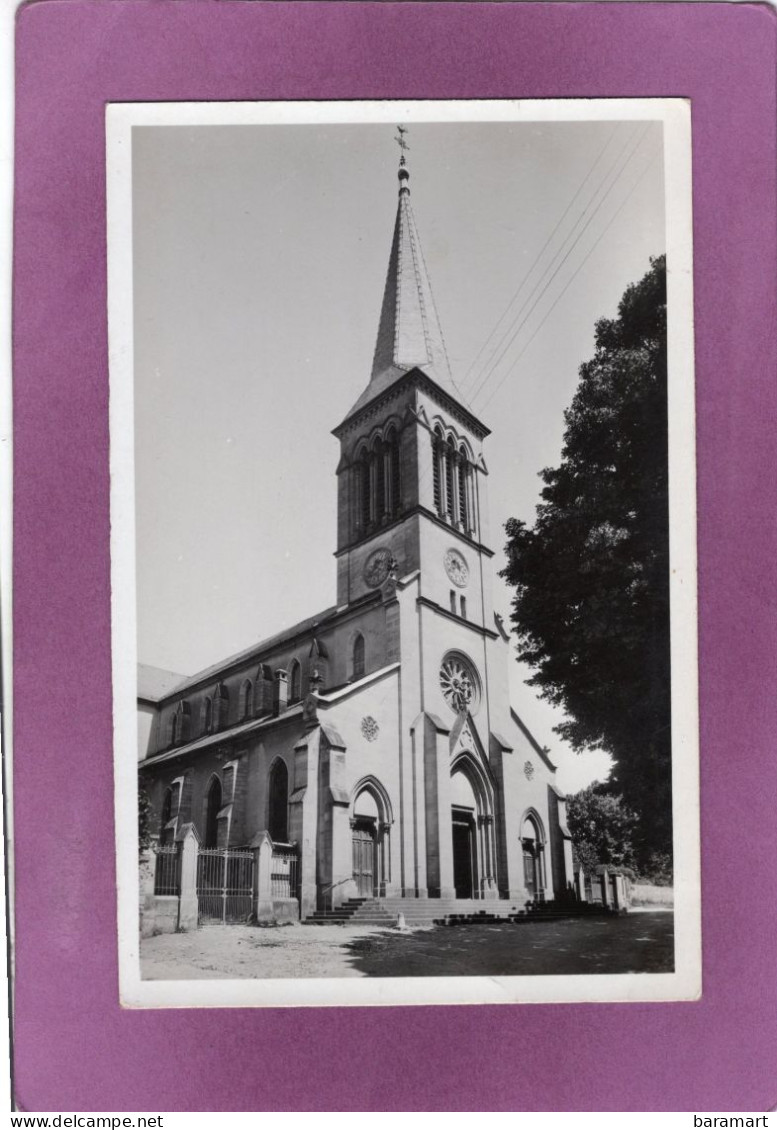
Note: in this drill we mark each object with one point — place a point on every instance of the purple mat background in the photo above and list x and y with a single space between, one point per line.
74 1047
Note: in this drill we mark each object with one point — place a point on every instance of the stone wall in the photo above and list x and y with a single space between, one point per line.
158 915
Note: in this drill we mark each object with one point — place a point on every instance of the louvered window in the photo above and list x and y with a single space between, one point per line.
450 496
364 500
379 508
463 475
437 477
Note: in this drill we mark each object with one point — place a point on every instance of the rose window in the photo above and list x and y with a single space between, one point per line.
459 684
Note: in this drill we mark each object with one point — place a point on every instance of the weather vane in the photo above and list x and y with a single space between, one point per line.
400 140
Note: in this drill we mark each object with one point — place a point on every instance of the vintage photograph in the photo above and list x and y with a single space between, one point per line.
403 552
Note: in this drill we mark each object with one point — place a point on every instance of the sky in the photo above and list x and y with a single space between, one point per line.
259 261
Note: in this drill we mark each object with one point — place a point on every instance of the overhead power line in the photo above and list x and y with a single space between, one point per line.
572 278
476 392
539 255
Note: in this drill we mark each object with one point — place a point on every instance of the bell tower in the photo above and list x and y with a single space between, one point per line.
411 476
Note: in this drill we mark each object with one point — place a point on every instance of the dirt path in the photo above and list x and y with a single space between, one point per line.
636 943
248 951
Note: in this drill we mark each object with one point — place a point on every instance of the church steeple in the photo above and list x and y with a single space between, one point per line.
409 332
411 476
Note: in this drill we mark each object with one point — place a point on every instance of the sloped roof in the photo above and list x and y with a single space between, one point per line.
409 332
154 683
256 649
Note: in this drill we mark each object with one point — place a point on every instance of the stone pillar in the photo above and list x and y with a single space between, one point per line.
490 889
391 606
384 838
335 834
303 817
413 829
508 858
437 807
262 906
188 845
604 882
619 900
580 886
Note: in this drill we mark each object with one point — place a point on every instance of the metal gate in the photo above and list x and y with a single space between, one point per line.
284 872
225 881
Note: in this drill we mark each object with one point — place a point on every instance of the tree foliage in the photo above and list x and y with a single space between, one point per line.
591 606
603 829
145 812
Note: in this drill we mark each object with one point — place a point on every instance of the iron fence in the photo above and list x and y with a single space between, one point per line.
284 871
167 870
225 880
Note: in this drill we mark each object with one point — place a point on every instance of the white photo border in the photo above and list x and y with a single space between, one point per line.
685 982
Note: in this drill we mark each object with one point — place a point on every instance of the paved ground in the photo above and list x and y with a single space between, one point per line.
641 942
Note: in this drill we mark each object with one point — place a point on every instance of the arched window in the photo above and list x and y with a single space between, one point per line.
450 472
212 809
393 480
358 657
364 489
295 682
463 476
206 715
174 727
437 447
246 699
221 707
278 814
379 458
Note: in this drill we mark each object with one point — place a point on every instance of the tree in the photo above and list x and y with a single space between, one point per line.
591 606
145 812
602 828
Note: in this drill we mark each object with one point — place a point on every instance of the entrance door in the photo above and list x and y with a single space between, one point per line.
463 854
364 853
529 869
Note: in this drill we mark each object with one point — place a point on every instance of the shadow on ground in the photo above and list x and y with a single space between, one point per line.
635 943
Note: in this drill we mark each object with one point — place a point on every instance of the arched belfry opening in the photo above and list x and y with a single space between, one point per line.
371 820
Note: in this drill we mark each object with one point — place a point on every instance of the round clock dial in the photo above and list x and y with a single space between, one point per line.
456 568
376 567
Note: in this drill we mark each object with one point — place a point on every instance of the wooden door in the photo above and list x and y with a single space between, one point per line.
364 858
463 852
529 871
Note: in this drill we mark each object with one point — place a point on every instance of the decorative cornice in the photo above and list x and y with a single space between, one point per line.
409 513
419 379
448 615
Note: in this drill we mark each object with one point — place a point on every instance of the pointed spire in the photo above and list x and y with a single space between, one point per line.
409 332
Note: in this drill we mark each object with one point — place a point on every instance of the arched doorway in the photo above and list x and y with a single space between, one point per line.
533 847
364 827
473 829
465 856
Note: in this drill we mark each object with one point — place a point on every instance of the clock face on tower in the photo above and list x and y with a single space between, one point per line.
456 568
376 567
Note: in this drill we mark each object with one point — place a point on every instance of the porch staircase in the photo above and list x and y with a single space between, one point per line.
443 912
417 912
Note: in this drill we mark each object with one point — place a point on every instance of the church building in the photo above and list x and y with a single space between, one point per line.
375 740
